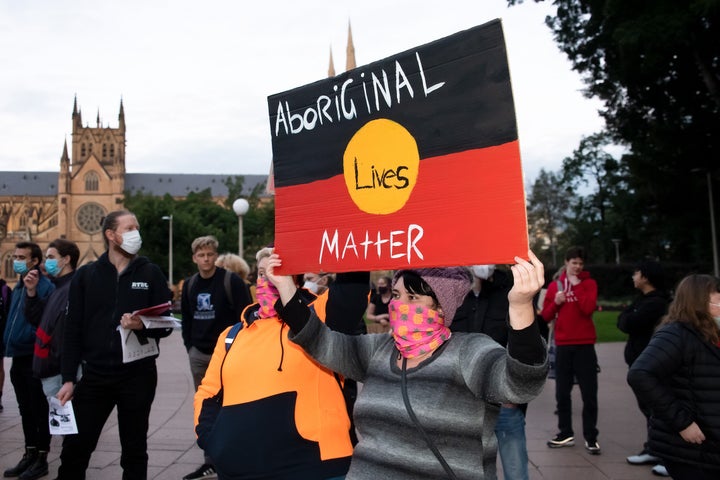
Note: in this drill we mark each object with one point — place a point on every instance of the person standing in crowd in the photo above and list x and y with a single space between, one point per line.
422 383
103 295
61 259
5 294
317 283
281 414
639 321
377 309
678 376
571 301
19 340
237 264
485 310
212 300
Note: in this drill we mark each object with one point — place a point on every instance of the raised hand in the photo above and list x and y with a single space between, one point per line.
528 278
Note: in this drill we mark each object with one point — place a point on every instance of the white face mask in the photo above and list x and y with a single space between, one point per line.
131 242
717 320
483 272
312 286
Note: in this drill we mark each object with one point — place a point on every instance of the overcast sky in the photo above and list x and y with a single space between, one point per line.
195 76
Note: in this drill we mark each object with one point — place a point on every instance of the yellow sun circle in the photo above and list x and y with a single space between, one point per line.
380 166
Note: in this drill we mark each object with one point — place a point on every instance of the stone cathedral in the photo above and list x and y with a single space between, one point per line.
92 181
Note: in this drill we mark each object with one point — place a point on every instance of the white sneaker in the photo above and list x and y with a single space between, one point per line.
660 471
642 459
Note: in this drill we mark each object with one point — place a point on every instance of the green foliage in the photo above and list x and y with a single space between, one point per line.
606 327
656 67
548 204
197 215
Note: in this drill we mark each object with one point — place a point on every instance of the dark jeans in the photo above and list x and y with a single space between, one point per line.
579 361
685 471
32 403
93 401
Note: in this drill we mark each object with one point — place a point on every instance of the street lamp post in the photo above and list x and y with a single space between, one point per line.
241 207
169 218
616 241
716 265
713 234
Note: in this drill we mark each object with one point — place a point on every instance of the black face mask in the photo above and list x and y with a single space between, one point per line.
383 290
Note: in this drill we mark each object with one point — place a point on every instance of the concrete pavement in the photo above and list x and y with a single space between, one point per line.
173 453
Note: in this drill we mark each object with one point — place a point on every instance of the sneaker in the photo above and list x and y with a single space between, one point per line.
660 471
561 440
205 471
593 447
642 458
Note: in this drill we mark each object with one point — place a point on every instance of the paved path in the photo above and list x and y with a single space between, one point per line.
173 452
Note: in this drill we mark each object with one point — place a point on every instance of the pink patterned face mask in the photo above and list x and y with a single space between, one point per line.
267 295
416 329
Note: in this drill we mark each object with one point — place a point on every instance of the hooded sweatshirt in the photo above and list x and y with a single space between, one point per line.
574 324
98 298
19 338
282 414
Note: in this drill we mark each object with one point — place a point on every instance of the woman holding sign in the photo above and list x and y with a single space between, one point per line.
430 399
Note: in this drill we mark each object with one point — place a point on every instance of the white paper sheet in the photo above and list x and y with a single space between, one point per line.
61 417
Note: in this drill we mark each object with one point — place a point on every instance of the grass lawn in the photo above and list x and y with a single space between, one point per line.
606 326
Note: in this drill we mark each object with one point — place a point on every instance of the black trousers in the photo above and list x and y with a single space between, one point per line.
32 403
94 398
577 362
686 471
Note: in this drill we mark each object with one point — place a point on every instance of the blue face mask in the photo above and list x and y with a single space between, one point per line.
52 267
20 267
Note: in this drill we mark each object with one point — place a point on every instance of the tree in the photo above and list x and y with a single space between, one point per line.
656 67
196 215
259 222
548 204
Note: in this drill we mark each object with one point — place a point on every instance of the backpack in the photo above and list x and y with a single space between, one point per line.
226 282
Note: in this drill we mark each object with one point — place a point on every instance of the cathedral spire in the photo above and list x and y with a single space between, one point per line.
331 67
65 157
98 118
121 116
76 115
350 62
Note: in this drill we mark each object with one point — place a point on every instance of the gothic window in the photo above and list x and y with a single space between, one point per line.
8 266
90 148
53 222
112 151
92 182
104 150
89 217
83 152
23 221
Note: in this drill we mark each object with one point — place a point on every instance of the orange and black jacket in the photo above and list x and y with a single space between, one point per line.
282 415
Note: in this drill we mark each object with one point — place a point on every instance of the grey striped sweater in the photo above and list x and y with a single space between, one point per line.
455 394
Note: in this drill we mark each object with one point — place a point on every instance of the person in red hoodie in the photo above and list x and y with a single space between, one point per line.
571 301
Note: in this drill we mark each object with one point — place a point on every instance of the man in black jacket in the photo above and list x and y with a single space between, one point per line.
639 321
103 295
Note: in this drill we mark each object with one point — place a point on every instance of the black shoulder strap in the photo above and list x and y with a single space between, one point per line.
228 289
231 335
191 283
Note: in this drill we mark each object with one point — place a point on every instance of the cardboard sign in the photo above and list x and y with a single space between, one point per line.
410 161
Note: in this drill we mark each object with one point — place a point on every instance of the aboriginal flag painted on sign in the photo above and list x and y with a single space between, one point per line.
409 161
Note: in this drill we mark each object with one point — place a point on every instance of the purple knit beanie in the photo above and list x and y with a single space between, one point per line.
450 285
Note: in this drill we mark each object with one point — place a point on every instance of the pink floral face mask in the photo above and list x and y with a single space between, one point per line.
267 295
416 329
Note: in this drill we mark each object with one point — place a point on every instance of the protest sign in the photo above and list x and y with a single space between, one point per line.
409 161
